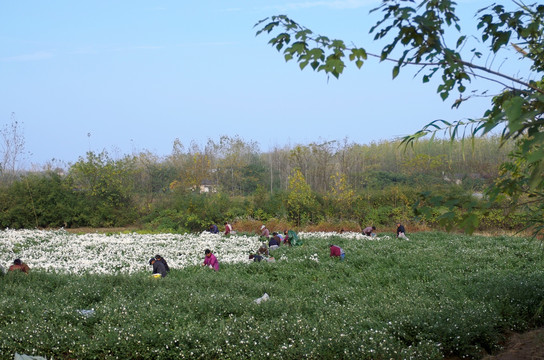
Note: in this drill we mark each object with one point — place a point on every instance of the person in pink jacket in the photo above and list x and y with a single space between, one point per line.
210 260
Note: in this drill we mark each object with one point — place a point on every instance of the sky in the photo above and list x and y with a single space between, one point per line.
132 76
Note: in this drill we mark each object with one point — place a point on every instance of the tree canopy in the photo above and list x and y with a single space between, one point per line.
418 35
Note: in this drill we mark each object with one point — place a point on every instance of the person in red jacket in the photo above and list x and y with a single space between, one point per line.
337 251
18 265
228 228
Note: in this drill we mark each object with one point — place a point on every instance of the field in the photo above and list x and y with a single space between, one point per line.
437 295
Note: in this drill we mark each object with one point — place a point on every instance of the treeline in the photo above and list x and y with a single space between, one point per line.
335 182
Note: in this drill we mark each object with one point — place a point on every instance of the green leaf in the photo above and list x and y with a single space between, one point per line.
513 110
535 156
470 223
535 179
461 40
395 71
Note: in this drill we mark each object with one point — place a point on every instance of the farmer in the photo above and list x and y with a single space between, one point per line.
370 231
210 260
161 259
228 228
158 267
256 257
291 238
18 265
263 250
337 251
265 232
286 239
401 231
214 229
274 242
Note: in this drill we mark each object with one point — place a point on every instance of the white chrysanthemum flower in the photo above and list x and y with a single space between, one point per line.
126 253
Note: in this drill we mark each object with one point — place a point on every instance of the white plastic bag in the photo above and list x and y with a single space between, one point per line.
262 298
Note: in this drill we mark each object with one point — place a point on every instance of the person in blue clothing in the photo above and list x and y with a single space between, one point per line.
158 267
214 229
274 242
161 259
401 231
256 257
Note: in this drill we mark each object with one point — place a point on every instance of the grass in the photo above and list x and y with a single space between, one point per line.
433 296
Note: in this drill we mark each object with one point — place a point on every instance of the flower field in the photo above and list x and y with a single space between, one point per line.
96 253
438 295
125 253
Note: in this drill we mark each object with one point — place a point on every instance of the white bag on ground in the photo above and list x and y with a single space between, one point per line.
27 357
262 298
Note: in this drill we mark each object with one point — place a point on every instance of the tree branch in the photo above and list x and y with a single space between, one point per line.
474 66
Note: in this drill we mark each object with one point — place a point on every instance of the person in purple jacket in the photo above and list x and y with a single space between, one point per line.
370 231
210 260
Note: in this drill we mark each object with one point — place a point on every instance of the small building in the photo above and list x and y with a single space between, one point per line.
206 186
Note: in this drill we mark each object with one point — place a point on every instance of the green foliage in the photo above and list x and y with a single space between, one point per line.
265 205
417 33
106 185
378 178
38 200
194 212
165 221
152 177
340 197
301 201
457 206
239 169
437 295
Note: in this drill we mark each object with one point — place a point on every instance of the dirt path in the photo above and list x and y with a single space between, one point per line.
526 346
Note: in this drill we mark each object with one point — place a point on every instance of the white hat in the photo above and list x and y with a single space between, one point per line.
262 227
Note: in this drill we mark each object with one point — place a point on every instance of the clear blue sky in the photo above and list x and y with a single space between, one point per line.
136 75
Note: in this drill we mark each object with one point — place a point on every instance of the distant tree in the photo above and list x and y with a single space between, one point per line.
341 196
322 164
197 172
194 167
107 186
13 145
301 201
419 32
237 163
253 175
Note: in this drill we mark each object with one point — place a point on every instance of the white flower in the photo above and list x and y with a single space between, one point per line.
61 251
